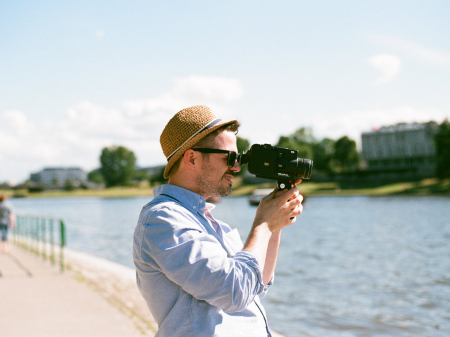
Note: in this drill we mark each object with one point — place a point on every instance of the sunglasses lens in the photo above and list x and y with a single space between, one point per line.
232 156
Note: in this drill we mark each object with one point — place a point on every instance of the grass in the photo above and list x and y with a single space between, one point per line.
113 192
431 186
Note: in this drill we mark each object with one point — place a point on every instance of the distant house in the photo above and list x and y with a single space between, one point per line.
59 175
402 148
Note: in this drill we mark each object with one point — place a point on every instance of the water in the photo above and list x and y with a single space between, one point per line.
350 266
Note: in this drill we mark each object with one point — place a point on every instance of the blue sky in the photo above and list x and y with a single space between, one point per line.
76 76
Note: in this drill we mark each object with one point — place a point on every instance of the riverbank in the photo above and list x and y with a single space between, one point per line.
431 186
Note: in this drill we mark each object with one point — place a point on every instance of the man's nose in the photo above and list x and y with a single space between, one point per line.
236 167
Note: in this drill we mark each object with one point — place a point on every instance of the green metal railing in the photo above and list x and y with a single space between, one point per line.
37 234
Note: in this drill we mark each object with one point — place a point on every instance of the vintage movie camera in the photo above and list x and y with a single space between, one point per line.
276 163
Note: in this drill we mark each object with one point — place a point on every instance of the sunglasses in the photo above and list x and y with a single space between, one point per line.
232 156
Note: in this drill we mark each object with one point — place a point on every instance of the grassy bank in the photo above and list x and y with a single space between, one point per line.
114 192
310 188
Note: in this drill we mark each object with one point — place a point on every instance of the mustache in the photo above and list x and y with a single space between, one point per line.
229 172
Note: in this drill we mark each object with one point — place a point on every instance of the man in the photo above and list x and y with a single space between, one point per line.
193 270
7 219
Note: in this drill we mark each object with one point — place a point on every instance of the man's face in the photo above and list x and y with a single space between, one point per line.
215 178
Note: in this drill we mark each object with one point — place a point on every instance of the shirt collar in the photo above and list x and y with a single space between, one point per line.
191 200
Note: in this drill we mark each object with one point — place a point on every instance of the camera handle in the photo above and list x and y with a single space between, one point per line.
284 185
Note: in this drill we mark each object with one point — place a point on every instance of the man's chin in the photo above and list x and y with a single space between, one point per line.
225 191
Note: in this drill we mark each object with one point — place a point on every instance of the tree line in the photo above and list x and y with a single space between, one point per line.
118 164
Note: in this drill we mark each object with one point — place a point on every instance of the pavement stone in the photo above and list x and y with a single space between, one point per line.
37 300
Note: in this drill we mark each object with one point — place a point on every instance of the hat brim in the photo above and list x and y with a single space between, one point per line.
191 143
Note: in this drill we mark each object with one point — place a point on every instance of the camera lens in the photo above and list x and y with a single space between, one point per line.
304 168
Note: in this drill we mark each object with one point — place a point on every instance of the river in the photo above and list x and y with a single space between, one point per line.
349 266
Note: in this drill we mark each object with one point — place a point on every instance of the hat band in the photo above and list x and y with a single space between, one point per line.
206 127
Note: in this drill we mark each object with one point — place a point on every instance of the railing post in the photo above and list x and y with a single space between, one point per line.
62 245
52 243
37 236
44 239
27 233
16 228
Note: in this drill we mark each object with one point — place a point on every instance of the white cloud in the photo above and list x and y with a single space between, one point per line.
389 65
426 54
216 89
99 33
28 146
215 92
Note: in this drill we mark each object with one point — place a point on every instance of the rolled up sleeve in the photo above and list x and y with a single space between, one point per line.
196 261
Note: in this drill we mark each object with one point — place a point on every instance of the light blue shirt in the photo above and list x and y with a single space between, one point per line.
196 282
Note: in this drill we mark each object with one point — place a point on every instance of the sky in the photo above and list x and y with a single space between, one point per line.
77 76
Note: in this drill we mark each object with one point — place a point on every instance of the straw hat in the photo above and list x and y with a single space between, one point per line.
185 129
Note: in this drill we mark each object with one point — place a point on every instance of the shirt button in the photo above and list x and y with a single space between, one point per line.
194 207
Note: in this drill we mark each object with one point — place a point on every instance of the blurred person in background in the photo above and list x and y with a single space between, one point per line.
7 220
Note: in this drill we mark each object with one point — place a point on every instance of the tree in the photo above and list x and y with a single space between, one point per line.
442 141
158 177
345 156
301 140
242 146
323 152
117 166
96 176
68 185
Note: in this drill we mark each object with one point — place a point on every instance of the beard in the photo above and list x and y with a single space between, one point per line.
209 185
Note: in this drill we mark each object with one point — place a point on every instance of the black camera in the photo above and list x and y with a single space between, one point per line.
276 163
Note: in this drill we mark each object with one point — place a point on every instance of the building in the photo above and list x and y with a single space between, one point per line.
407 149
59 175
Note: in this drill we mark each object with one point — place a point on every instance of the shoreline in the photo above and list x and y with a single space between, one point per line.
425 187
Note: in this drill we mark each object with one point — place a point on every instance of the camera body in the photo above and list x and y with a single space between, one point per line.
276 163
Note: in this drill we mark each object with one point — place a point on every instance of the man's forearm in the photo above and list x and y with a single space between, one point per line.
258 242
271 256
265 245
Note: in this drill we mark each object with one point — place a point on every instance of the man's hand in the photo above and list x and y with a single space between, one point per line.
279 209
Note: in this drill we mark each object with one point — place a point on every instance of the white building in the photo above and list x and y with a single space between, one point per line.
59 175
402 147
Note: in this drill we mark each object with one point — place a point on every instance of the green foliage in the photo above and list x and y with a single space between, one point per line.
242 144
345 155
117 166
328 155
301 140
322 154
158 177
68 185
95 176
442 141
140 175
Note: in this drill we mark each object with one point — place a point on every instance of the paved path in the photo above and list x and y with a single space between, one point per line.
37 300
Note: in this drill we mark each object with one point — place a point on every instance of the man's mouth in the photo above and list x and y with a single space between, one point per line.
228 177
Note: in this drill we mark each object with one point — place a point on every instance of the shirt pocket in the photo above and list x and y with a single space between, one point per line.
233 239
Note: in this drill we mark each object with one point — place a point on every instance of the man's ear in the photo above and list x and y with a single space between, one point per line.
191 159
